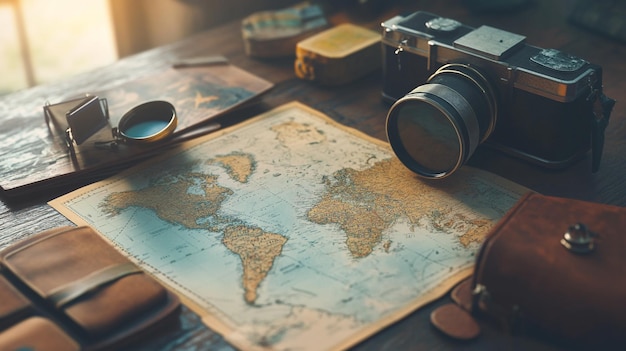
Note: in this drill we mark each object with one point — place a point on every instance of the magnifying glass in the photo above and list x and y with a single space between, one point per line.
147 123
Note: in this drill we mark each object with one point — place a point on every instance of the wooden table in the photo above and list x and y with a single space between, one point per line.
359 105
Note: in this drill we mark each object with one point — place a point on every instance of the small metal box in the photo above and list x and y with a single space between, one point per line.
338 55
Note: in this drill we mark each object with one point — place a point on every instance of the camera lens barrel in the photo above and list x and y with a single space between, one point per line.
435 128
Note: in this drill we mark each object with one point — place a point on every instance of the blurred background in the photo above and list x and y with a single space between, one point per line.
42 41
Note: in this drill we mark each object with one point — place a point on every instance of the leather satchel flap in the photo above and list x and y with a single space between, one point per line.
78 272
525 269
13 305
37 334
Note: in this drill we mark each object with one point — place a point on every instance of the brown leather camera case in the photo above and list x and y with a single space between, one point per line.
539 266
77 280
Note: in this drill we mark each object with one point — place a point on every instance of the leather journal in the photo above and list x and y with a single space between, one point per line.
67 288
552 265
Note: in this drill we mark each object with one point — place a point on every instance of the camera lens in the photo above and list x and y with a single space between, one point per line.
435 128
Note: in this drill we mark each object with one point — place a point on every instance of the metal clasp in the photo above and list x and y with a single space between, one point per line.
578 239
401 46
398 50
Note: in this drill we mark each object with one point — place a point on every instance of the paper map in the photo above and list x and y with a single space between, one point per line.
290 231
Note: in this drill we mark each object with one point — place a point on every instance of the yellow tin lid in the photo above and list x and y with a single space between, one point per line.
339 41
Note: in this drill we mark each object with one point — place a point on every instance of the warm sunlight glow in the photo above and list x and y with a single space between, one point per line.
11 63
63 37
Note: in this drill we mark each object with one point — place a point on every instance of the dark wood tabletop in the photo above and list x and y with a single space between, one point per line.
359 104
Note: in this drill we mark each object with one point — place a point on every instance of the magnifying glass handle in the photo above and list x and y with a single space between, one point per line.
195 132
112 145
188 134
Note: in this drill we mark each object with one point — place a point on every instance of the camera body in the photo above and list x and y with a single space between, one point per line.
544 98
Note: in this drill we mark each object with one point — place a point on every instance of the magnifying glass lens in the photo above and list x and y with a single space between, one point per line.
145 129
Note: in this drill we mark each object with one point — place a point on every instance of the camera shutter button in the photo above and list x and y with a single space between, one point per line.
442 24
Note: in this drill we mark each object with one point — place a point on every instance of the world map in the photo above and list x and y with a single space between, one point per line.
290 231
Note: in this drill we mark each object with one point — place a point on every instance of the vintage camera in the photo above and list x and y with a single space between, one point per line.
454 87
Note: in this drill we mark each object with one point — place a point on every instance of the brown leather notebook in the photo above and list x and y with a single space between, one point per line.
74 279
37 333
14 305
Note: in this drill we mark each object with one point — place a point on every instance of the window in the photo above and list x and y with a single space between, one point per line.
42 41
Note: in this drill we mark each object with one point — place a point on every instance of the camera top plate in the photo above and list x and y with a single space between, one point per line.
443 25
558 60
492 43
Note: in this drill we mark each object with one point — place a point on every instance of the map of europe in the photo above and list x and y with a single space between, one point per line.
290 231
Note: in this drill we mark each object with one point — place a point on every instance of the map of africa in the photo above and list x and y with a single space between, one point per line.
290 231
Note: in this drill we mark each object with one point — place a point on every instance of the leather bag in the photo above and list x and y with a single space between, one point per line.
553 265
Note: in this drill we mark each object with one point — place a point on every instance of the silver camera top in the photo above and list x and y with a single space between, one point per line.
490 42
546 72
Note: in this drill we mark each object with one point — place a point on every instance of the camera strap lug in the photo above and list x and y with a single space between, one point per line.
602 107
400 49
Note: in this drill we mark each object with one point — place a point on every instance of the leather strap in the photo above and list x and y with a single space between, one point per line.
452 320
65 294
600 121
455 319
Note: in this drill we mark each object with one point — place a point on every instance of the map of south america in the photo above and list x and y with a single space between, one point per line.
184 206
